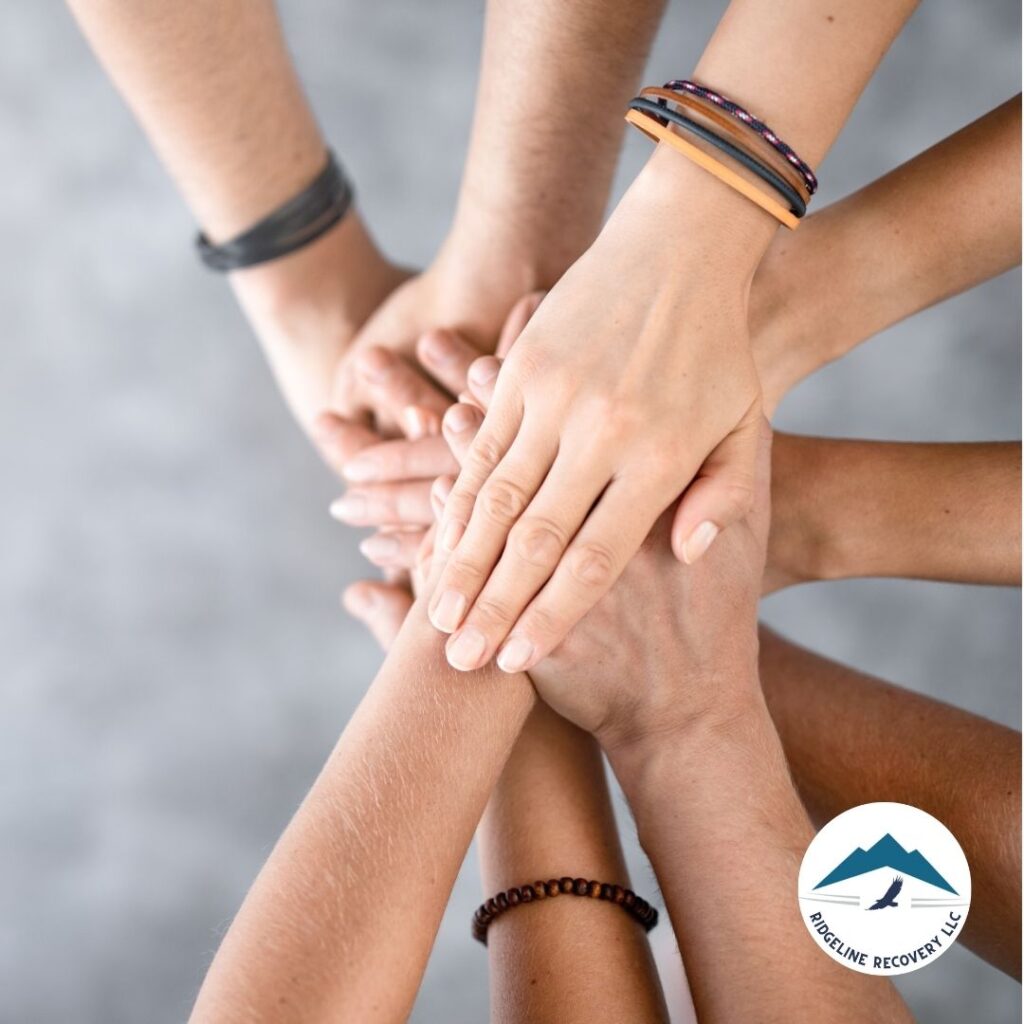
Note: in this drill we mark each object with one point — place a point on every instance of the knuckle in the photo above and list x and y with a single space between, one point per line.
485 454
492 609
592 565
463 570
545 624
503 501
738 497
538 541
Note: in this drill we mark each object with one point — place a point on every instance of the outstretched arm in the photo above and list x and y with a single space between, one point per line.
879 508
216 92
886 743
341 919
564 959
937 225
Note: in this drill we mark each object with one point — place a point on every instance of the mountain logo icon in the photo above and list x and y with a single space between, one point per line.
886 853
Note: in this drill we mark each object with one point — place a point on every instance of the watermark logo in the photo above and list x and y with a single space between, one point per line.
884 888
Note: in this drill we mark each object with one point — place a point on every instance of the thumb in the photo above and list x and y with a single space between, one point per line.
722 492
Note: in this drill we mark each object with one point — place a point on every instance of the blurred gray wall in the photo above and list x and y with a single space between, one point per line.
175 667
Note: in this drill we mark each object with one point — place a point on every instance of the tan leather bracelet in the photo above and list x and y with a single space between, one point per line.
727 175
739 132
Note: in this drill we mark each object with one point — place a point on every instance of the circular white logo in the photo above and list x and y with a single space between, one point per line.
884 888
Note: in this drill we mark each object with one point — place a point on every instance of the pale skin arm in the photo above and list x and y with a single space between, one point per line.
561 960
536 178
580 453
880 508
341 919
907 748
933 227
215 90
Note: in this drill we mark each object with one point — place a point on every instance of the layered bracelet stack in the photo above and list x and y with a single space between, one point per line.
640 910
296 223
682 106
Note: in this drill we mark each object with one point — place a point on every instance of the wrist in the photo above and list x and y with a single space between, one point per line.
319 294
702 225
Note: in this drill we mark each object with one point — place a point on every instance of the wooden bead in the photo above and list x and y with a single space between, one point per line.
619 895
491 906
608 892
565 884
540 890
526 894
581 886
502 900
629 900
513 897
553 888
595 890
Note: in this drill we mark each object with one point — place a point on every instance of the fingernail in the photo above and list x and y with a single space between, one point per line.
348 507
483 371
361 469
459 418
466 650
515 655
437 347
380 547
699 541
451 535
448 611
414 423
441 488
375 365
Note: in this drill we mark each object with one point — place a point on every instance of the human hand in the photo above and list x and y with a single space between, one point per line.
667 643
391 480
586 445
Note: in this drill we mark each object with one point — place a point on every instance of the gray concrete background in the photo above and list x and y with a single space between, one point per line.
175 666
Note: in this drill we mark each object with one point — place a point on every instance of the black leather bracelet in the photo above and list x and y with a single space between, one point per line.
299 221
796 204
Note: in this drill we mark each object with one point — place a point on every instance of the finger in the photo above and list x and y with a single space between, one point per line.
401 460
460 425
611 535
381 607
393 384
502 498
483 379
338 440
418 422
536 544
439 491
517 319
721 493
405 503
487 449
447 356
393 549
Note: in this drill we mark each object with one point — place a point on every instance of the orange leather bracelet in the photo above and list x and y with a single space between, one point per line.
658 133
737 130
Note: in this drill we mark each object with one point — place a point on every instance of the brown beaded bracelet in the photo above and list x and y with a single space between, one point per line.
639 909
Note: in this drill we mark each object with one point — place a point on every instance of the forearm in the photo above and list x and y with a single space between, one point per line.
339 924
709 804
561 959
935 226
870 508
907 748
547 129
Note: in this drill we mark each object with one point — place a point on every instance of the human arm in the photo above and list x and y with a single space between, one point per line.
581 450
563 959
542 152
215 90
935 226
887 743
340 921
846 508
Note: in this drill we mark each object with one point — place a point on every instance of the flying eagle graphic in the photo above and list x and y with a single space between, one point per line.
889 899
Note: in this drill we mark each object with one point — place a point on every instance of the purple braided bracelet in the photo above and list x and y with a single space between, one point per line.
748 119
